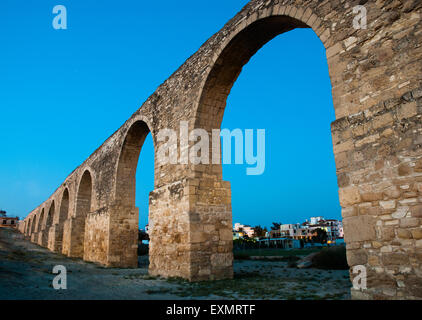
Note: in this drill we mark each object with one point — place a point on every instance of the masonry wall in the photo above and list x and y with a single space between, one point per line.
96 238
169 221
380 180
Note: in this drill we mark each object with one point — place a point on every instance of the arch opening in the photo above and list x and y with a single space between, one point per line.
50 216
46 224
126 235
64 207
63 215
40 221
83 207
212 105
230 62
32 230
128 163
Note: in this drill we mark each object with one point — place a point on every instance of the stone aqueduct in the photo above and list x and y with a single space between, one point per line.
377 137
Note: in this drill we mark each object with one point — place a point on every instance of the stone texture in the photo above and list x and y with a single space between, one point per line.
359 228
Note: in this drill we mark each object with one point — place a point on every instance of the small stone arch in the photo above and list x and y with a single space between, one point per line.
50 216
83 205
32 227
44 224
55 241
40 219
26 226
63 214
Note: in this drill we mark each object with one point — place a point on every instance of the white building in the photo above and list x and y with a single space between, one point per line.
334 229
245 229
296 231
316 220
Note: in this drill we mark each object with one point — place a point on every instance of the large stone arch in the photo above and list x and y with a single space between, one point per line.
210 196
227 64
366 138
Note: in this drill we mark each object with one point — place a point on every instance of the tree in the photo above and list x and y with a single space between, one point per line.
276 226
320 236
260 232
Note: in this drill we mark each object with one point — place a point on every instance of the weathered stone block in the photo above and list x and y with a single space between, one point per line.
395 259
417 233
357 257
359 228
409 222
349 196
404 234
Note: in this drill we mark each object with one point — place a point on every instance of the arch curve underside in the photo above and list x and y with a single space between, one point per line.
377 138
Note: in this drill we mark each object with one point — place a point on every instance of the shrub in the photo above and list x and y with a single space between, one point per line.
331 258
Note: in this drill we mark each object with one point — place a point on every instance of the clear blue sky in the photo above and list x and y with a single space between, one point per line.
64 92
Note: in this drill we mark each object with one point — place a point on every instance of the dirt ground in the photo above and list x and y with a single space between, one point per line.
26 273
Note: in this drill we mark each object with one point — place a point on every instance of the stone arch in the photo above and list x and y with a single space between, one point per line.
55 238
124 221
83 203
50 216
29 226
63 214
236 51
365 111
40 219
32 229
46 223
228 59
128 161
